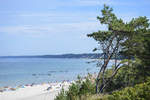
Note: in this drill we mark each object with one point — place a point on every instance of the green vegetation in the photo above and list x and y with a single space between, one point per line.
78 89
138 92
84 90
128 79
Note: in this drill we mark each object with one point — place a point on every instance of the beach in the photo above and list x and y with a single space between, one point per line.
38 78
45 91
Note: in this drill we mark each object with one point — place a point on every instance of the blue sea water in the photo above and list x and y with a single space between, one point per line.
18 71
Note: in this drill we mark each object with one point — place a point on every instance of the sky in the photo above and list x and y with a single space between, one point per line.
41 27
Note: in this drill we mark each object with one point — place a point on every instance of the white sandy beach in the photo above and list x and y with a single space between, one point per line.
35 92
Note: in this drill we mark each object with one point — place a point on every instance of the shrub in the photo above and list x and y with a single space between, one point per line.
79 89
138 92
61 95
85 90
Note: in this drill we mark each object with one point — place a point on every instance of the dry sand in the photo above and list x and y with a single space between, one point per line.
36 92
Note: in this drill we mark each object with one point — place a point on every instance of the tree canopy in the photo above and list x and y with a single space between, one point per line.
130 39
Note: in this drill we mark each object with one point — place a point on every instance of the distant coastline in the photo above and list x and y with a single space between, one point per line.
85 55
76 56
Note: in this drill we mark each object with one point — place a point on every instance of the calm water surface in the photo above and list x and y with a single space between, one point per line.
17 71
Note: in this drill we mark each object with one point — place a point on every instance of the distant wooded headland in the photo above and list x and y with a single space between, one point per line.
77 56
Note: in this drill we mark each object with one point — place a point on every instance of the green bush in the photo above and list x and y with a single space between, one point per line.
138 92
127 76
87 87
78 90
85 90
61 95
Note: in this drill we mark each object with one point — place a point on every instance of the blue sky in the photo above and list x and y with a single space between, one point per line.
37 27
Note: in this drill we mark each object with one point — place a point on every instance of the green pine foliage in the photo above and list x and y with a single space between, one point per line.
138 92
61 95
127 76
78 90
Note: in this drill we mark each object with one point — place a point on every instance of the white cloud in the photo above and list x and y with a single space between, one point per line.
54 29
62 22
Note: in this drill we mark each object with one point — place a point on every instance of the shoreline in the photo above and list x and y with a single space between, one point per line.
45 91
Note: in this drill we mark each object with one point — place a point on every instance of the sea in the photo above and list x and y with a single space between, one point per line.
22 71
